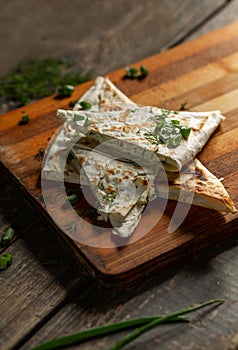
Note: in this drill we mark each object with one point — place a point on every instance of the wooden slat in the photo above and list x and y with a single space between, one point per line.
31 289
196 67
207 276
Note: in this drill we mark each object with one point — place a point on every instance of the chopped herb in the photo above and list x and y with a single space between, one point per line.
65 91
87 122
183 106
85 105
143 325
144 71
40 153
175 141
159 126
167 131
78 118
8 236
24 120
132 73
110 196
185 132
153 138
5 260
73 198
34 79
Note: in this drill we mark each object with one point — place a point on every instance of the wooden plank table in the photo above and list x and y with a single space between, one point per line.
40 301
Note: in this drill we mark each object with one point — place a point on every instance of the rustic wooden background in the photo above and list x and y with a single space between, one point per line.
40 302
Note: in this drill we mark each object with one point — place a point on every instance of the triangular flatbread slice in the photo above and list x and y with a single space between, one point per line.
103 95
121 189
174 137
197 182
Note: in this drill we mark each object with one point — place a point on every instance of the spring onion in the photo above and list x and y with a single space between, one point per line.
132 73
143 324
8 236
5 260
24 120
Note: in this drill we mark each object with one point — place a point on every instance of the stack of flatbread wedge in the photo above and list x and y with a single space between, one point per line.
129 154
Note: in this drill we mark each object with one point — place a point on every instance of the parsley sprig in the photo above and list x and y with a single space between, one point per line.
168 131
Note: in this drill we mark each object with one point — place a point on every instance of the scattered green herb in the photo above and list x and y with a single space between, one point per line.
34 79
40 153
87 122
167 131
144 71
85 105
73 198
78 117
65 91
5 260
185 132
153 138
183 106
24 120
143 324
134 73
8 236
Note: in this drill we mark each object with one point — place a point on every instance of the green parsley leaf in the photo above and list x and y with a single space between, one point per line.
185 132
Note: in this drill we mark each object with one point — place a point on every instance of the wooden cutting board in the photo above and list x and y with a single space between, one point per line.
204 74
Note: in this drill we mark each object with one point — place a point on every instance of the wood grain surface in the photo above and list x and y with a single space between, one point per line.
212 273
204 74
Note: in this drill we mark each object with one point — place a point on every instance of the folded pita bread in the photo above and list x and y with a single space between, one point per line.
193 178
121 189
135 131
